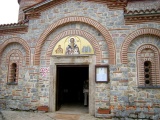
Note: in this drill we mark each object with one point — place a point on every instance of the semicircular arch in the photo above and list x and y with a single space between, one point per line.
20 41
66 20
84 34
132 36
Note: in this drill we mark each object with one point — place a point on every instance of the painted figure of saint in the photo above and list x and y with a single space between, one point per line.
59 50
72 48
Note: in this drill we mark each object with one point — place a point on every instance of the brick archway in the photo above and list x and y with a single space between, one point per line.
154 60
20 41
95 24
84 34
132 36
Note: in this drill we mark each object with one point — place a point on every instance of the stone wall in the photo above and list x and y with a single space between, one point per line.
33 89
23 96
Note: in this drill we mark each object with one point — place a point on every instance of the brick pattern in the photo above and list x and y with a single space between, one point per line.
33 15
142 11
25 4
33 89
95 24
116 4
142 5
17 28
140 18
13 95
153 57
14 57
84 34
132 36
20 41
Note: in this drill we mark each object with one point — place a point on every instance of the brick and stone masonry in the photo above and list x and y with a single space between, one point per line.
114 42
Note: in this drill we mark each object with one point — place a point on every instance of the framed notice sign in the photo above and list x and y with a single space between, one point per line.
101 73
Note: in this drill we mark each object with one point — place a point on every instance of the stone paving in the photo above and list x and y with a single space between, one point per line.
21 115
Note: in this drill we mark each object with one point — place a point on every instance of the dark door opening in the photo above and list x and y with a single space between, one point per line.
70 83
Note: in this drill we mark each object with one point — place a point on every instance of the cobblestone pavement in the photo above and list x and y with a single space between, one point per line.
21 115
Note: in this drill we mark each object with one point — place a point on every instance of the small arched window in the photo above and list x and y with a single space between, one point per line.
147 73
13 73
14 60
148 66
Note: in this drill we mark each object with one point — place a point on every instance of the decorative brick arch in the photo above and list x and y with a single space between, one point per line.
154 59
132 36
14 57
20 41
21 57
84 34
95 24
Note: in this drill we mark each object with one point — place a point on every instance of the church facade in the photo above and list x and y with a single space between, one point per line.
59 44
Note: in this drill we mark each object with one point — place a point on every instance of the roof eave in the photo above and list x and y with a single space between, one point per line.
37 5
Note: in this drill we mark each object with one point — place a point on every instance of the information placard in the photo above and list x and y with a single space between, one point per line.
102 73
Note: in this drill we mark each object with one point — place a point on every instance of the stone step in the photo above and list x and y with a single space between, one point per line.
66 117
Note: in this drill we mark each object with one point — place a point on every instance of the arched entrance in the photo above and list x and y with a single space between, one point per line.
61 58
66 20
73 60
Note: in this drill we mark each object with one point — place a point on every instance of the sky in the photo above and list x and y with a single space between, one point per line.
9 11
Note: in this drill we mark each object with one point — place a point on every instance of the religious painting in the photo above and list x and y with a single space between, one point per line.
59 50
102 73
73 45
